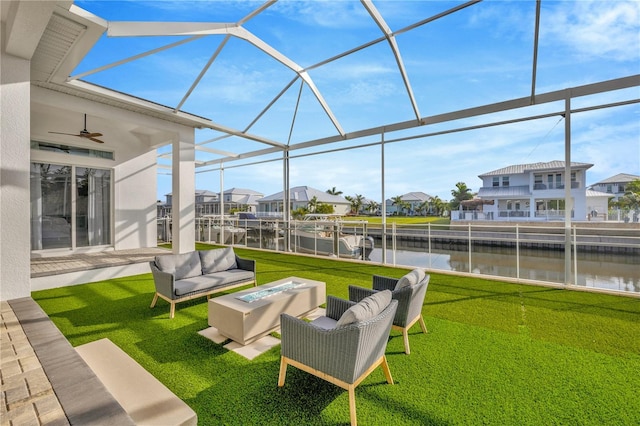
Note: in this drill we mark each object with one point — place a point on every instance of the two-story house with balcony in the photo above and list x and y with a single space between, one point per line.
615 185
241 199
531 192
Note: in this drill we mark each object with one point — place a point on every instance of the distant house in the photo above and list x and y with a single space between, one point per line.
300 196
241 199
208 202
530 192
367 205
615 185
412 199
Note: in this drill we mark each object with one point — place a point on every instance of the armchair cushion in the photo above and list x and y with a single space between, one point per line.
217 260
184 265
325 323
412 278
366 309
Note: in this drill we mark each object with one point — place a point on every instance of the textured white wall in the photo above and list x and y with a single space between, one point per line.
135 200
15 250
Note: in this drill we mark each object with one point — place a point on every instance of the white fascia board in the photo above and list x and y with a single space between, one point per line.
88 16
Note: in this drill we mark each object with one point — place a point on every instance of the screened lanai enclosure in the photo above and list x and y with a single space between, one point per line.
373 95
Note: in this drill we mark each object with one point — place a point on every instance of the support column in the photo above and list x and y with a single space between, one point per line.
286 203
15 125
384 203
183 188
568 204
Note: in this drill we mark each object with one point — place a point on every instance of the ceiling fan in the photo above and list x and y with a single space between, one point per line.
84 133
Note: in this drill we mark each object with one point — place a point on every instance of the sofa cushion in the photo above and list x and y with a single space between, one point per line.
184 265
217 260
412 278
365 309
204 283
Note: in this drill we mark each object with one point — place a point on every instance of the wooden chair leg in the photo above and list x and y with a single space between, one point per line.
172 312
352 405
283 371
422 325
155 299
405 335
387 372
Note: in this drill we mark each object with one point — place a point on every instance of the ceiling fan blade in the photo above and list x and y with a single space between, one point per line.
95 140
92 135
68 134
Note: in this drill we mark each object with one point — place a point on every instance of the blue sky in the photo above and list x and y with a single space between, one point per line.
480 55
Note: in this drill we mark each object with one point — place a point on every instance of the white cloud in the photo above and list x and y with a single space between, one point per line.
594 29
328 14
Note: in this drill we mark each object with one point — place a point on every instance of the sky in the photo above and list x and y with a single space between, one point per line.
479 55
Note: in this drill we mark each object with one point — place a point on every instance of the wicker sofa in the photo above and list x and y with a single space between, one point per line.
180 277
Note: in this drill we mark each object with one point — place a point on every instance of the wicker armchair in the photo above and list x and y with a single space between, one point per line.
410 300
343 355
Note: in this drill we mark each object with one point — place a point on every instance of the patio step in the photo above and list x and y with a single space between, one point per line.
143 397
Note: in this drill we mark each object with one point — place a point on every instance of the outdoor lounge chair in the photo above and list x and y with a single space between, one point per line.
344 346
409 291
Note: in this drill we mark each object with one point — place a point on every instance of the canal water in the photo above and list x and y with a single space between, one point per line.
611 271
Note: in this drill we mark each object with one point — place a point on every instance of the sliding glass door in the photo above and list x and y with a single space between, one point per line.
70 206
93 215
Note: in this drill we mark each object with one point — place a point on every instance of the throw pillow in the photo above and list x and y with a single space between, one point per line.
366 309
217 260
412 278
185 265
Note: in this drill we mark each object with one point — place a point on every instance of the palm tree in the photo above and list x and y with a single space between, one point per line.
350 200
424 207
334 191
461 193
398 202
372 206
438 205
313 204
631 197
358 201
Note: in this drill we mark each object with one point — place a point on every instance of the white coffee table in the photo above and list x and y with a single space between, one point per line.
245 316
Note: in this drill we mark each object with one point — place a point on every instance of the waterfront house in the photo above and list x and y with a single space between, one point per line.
300 196
411 203
208 202
241 199
615 185
533 191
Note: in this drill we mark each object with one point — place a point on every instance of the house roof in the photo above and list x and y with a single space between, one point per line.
535 167
504 191
304 194
200 192
592 193
416 196
619 178
243 191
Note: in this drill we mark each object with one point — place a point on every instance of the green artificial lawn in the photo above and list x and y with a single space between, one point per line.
496 353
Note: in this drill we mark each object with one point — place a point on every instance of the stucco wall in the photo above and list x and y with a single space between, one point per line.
14 178
135 200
